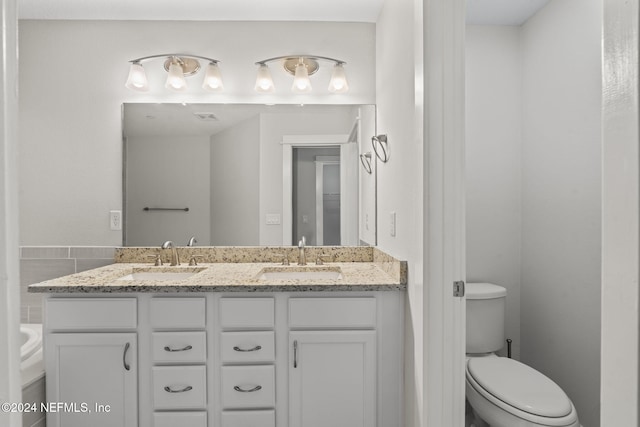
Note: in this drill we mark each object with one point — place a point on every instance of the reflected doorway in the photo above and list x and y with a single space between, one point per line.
316 195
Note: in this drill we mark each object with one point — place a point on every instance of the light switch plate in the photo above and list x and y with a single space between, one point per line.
273 219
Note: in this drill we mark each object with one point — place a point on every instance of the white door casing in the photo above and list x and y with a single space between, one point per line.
348 183
444 222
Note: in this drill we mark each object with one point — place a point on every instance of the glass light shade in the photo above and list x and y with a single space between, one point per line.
175 80
301 82
137 79
264 82
338 82
213 78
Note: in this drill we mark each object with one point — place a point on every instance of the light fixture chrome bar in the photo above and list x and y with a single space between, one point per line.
293 57
171 55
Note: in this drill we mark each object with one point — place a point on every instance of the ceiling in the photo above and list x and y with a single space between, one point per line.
502 12
149 119
203 10
486 12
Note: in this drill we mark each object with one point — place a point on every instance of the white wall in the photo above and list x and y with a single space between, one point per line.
72 76
561 177
493 162
619 395
167 172
400 179
367 181
235 185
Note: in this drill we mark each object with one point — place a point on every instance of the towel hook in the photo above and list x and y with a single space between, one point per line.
381 147
365 159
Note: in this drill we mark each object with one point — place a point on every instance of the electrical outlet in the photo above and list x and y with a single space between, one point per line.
115 220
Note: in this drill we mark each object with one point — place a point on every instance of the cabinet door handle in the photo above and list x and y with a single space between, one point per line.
251 390
256 348
124 357
167 348
295 353
182 390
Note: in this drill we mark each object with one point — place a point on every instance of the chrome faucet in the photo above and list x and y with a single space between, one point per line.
302 259
175 259
192 241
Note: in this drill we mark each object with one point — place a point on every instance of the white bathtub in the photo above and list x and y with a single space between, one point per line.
31 364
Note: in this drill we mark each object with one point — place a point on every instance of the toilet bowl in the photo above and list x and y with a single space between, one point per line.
506 393
501 391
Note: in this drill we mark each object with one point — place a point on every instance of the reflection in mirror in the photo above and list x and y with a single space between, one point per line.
216 172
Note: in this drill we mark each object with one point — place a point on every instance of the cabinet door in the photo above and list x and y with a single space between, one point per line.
93 379
332 379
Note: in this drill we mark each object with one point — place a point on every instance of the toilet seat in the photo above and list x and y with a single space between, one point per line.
509 384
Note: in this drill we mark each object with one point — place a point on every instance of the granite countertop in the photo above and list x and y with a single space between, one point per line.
382 273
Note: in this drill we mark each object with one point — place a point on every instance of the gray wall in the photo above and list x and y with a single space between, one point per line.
561 182
167 172
493 164
49 262
235 178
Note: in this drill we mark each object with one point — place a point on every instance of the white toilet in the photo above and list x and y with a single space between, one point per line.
504 392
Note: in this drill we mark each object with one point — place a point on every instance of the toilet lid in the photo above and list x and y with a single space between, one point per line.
520 386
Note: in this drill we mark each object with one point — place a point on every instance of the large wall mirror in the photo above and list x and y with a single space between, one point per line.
248 174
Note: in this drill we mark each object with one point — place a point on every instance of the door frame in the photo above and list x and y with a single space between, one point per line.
442 51
348 209
320 164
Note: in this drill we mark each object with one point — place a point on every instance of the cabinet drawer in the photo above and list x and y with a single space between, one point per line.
91 313
179 387
249 418
253 347
182 419
332 312
247 312
179 347
248 387
178 313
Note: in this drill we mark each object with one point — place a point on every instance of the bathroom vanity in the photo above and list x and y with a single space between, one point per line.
238 340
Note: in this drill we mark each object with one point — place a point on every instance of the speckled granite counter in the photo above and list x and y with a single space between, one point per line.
238 269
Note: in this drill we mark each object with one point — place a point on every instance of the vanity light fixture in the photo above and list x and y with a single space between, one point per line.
301 67
178 66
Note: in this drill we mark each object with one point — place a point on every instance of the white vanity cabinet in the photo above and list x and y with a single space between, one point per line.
91 364
248 354
227 359
179 361
335 366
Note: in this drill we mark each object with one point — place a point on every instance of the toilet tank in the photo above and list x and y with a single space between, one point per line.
485 317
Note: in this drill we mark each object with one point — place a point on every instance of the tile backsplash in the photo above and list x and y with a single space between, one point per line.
39 263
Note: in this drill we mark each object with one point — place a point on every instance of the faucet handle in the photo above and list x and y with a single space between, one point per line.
194 259
157 260
321 258
285 258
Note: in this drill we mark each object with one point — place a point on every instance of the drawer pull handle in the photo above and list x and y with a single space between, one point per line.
167 348
124 357
295 353
242 390
256 348
182 390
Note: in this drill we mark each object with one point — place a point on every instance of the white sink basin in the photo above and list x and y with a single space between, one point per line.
159 275
293 274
